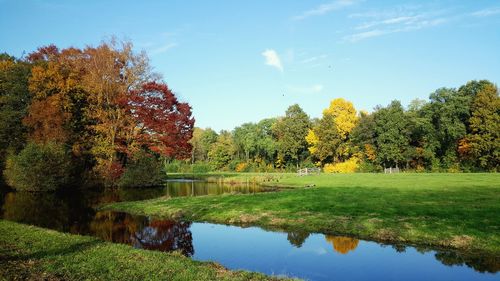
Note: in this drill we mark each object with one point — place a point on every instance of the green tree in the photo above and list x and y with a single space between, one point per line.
39 167
14 101
291 132
392 136
448 111
222 151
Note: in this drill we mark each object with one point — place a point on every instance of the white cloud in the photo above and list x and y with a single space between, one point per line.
487 12
272 59
306 90
314 59
365 35
389 22
163 49
325 8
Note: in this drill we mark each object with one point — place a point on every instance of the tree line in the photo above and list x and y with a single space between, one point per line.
455 130
99 114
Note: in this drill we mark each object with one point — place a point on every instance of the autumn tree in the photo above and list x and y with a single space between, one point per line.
329 139
483 141
163 125
113 70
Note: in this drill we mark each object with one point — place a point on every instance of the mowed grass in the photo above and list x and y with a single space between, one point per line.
32 253
460 211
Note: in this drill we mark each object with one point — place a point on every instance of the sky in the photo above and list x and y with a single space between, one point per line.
243 61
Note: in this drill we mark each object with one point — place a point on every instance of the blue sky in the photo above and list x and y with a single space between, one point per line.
242 61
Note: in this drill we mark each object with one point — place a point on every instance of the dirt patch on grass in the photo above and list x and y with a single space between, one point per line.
460 241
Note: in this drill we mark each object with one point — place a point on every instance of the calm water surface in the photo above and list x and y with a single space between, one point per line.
304 255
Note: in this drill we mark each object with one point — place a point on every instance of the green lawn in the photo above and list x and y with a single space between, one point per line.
32 253
458 211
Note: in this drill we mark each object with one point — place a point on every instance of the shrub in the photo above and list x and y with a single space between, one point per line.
141 171
349 166
39 167
201 168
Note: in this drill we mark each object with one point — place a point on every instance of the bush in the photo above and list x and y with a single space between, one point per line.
39 167
349 166
143 170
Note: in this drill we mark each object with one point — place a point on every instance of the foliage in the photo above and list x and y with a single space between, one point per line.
392 136
39 167
291 132
164 125
142 170
221 151
344 116
349 166
483 141
14 101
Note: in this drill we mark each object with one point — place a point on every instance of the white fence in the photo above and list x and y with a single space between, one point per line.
308 171
391 170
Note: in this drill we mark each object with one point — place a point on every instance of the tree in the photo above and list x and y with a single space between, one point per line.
245 139
201 142
324 140
14 101
291 132
163 124
222 151
483 141
448 111
329 139
344 115
391 134
112 71
39 167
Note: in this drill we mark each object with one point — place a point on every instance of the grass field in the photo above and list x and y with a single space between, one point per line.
458 211
31 253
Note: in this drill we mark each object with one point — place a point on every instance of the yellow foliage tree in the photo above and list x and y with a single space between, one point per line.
312 140
344 114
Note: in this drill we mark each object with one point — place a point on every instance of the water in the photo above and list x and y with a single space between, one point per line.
305 255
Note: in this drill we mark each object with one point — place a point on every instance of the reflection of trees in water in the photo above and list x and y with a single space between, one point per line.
44 210
199 188
297 238
161 235
166 235
341 244
479 263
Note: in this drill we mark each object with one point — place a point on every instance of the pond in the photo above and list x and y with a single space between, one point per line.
310 256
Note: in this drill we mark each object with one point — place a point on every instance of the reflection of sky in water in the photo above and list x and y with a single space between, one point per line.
271 253
315 256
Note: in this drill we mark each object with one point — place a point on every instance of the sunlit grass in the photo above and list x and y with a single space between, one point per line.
32 253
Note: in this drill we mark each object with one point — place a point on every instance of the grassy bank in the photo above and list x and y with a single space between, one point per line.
31 253
441 210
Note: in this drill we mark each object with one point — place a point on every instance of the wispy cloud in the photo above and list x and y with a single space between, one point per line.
402 19
487 12
306 90
163 49
325 8
314 59
272 59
